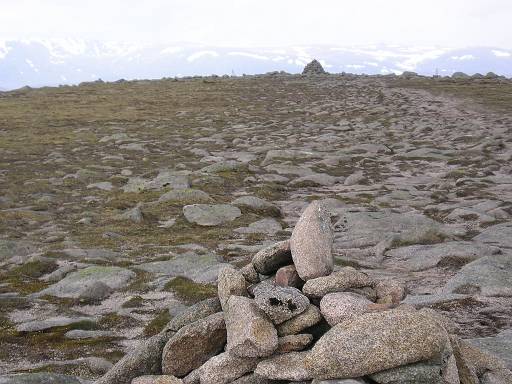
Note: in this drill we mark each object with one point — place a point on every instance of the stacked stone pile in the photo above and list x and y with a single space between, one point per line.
292 316
314 68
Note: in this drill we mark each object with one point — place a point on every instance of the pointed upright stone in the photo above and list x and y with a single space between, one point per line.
311 243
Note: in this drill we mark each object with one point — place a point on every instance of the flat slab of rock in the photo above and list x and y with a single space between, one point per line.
193 345
91 282
339 281
225 368
280 303
201 268
250 333
41 378
58 321
311 243
365 229
499 345
421 257
499 235
487 276
211 214
271 258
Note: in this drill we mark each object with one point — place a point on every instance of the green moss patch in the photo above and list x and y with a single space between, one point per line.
190 291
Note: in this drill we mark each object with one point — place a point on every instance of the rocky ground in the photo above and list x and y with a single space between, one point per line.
120 203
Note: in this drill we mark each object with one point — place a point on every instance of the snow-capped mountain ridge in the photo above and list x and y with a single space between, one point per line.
70 61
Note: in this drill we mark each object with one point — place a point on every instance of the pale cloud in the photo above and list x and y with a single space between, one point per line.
464 57
197 55
248 23
501 53
250 55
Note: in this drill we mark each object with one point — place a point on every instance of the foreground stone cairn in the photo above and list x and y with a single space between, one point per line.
291 315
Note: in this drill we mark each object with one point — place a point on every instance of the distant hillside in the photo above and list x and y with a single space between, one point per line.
52 62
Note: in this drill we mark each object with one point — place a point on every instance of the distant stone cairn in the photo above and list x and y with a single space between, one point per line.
314 68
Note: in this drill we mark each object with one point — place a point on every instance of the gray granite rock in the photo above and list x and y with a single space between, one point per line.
41 378
311 243
499 345
52 322
250 333
390 291
202 268
250 274
487 276
257 205
144 359
156 379
94 282
194 313
270 259
339 281
193 345
417 373
288 277
293 343
231 282
280 303
361 346
211 214
225 368
306 319
340 306
185 196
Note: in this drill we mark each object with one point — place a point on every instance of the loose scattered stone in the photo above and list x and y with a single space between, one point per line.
211 214
255 204
95 282
250 333
185 196
311 243
280 303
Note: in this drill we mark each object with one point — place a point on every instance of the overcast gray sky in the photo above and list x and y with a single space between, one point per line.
451 23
